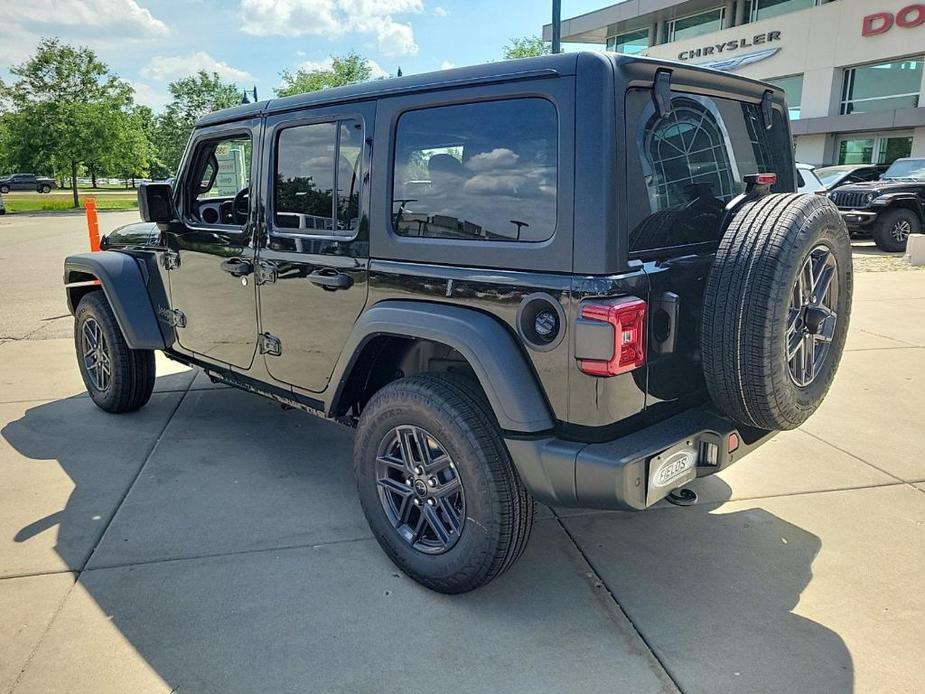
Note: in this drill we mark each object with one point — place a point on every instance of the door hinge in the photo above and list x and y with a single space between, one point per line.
171 260
265 272
270 345
173 316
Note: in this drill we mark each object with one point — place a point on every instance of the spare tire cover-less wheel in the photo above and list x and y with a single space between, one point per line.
776 309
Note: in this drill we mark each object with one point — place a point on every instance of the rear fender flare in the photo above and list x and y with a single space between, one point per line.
498 362
125 286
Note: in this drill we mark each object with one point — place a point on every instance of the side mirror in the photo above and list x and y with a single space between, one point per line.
155 202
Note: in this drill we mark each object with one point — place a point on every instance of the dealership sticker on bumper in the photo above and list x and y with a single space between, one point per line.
669 470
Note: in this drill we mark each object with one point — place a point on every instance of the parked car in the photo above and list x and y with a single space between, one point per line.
505 305
890 209
25 181
834 176
807 181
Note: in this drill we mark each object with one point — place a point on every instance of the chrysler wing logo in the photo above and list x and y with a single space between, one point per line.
733 64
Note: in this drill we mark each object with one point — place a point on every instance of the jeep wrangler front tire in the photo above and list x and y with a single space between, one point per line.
437 483
118 379
891 232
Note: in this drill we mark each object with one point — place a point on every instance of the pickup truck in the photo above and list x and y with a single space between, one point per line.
26 181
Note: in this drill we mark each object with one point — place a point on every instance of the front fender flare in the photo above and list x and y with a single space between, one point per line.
126 291
497 360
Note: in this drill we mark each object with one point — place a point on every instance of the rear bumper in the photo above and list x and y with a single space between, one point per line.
629 473
858 219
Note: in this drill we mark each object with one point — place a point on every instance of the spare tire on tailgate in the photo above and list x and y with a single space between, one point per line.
776 309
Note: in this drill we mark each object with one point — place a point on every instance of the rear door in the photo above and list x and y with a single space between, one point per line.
314 253
683 169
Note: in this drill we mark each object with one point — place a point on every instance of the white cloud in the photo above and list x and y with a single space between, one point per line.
149 96
164 67
440 12
376 70
447 65
127 16
333 18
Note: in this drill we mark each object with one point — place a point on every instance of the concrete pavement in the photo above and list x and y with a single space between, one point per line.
213 543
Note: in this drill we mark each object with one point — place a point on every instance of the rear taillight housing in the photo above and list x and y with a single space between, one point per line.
627 317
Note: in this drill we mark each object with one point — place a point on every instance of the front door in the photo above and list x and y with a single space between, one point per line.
211 257
314 253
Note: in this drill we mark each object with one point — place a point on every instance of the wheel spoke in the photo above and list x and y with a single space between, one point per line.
823 284
809 359
438 464
794 343
391 462
418 532
452 515
447 488
395 487
433 520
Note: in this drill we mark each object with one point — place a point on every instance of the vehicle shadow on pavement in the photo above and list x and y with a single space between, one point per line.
712 593
714 590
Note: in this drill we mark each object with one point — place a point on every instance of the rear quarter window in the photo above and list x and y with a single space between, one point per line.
684 168
480 171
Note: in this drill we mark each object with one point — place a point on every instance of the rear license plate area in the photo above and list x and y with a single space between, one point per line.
670 469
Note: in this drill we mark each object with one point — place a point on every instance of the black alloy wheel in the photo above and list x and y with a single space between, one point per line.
813 315
420 490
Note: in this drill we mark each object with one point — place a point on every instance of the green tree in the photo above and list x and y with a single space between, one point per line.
63 101
346 69
192 98
526 47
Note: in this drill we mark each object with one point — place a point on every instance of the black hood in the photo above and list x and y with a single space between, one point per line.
881 187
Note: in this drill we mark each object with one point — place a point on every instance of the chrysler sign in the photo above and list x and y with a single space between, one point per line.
720 50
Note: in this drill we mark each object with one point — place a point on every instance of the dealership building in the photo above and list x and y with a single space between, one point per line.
852 69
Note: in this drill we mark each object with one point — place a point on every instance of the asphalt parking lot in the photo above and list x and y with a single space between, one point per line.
213 543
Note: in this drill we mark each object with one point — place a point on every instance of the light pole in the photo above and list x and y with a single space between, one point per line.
556 26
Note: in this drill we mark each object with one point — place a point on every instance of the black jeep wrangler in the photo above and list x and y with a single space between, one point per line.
582 279
890 209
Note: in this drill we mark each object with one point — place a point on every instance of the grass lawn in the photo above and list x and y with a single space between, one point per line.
62 200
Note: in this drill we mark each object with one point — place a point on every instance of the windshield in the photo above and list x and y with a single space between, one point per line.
906 170
830 174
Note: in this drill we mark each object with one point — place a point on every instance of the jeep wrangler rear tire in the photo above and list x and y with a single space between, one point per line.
776 310
891 232
118 379
437 484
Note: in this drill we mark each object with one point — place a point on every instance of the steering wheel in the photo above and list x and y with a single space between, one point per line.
240 206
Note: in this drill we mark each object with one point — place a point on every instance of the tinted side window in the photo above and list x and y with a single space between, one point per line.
484 171
692 162
317 178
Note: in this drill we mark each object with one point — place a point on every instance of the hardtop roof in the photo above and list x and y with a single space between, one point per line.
562 64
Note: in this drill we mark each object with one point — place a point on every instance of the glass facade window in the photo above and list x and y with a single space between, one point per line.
793 89
765 9
874 149
695 25
631 42
883 86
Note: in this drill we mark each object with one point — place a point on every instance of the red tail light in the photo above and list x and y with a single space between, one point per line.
628 319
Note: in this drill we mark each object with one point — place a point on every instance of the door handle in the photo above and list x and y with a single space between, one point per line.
238 267
328 280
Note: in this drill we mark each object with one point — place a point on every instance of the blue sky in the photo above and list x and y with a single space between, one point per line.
151 42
